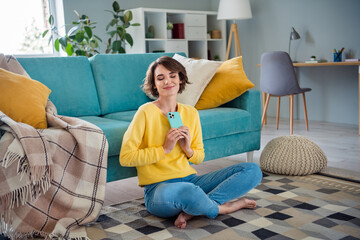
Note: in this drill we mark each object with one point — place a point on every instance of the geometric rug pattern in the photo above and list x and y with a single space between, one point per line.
288 207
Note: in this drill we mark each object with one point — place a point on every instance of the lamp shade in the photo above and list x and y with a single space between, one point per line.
294 35
234 9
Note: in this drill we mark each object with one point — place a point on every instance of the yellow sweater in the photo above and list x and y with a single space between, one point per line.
142 145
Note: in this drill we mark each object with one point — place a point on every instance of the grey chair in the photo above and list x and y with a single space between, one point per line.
277 79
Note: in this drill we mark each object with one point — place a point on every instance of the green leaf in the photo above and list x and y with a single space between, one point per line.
88 31
63 41
50 39
128 16
109 11
73 30
45 32
79 37
122 50
51 20
69 50
98 38
94 43
116 6
121 31
116 45
113 22
57 45
77 14
80 52
135 24
129 39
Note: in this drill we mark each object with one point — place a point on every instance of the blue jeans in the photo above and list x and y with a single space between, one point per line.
201 195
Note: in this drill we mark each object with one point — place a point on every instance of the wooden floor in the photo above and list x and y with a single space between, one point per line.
340 143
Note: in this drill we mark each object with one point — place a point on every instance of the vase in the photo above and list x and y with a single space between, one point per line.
169 33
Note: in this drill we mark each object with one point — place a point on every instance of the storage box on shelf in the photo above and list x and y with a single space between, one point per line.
194 43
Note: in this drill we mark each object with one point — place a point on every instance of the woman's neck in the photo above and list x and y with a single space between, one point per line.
166 104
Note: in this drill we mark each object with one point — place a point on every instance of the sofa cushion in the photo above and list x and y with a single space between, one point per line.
123 116
71 81
218 122
229 82
114 131
118 79
199 72
23 99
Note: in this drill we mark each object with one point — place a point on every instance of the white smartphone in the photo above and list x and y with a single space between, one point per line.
174 119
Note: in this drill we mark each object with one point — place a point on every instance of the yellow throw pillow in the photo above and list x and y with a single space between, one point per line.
229 82
23 99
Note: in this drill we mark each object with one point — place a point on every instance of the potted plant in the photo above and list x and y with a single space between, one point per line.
79 41
169 27
120 22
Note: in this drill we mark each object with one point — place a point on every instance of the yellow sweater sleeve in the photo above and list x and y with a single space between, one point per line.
132 153
197 142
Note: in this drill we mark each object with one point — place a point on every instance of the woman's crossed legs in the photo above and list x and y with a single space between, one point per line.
209 194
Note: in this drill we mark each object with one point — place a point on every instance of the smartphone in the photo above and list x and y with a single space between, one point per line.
174 119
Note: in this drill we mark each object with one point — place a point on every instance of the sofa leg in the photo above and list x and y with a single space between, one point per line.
249 156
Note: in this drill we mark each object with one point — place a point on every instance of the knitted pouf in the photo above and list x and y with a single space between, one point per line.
292 155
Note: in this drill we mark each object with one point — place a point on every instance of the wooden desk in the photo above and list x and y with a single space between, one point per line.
330 64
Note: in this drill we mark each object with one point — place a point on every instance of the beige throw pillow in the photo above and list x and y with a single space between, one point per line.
199 73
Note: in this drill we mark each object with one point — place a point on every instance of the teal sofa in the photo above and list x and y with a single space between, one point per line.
105 90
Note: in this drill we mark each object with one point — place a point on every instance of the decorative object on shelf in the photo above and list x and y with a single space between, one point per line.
169 27
151 32
120 22
232 10
178 31
312 60
338 55
209 35
352 60
216 34
216 58
294 35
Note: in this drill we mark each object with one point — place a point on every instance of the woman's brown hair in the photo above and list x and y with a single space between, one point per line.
170 64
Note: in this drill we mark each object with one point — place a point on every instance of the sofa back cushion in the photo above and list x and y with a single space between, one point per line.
71 82
118 78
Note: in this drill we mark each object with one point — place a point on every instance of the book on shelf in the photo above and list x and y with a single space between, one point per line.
352 60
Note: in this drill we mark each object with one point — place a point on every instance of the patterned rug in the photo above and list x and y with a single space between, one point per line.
308 207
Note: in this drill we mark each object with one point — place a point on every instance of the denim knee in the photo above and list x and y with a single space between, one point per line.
256 172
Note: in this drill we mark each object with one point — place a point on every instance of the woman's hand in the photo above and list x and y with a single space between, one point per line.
185 142
171 139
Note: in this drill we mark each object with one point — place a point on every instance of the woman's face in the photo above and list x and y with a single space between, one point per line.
166 82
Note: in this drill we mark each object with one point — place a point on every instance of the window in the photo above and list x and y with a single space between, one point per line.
22 23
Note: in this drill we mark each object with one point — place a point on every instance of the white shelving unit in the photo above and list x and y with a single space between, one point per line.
197 24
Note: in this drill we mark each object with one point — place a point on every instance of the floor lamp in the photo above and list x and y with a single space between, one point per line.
233 10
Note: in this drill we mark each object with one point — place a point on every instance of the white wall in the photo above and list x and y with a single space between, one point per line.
322 24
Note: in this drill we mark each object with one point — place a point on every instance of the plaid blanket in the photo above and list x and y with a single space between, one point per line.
52 180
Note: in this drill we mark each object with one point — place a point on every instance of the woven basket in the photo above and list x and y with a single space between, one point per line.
292 155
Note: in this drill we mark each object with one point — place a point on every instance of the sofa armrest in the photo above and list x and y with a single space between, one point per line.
251 102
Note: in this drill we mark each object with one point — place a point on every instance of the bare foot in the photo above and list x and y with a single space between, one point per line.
180 221
230 207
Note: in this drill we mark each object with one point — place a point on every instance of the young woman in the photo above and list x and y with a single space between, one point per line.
162 155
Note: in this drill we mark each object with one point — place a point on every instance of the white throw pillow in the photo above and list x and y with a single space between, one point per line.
200 73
